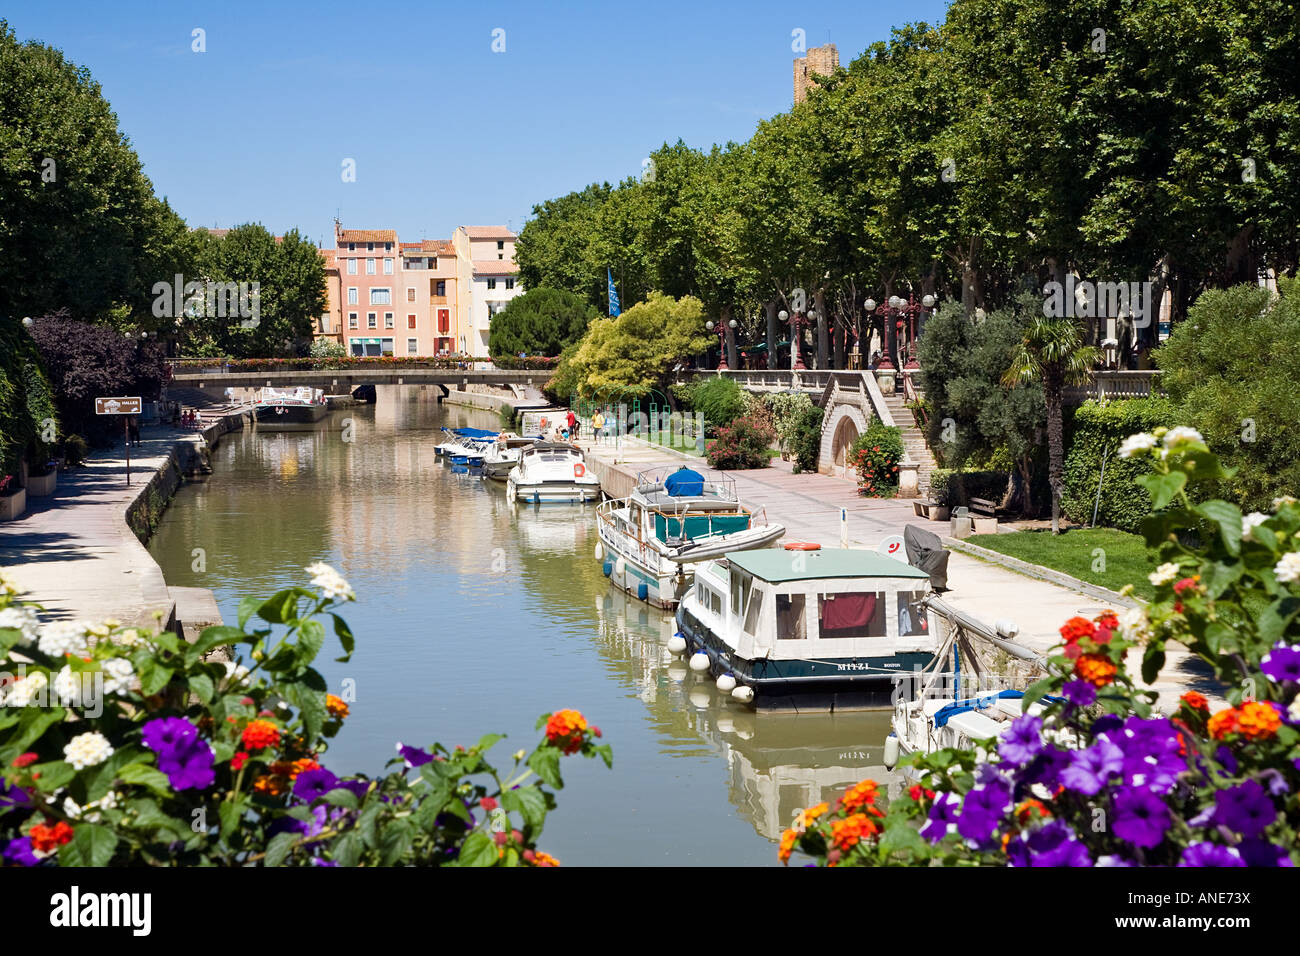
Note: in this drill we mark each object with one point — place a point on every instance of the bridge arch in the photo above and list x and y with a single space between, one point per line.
844 423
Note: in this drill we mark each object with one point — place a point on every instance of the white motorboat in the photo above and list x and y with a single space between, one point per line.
650 540
288 409
503 454
552 472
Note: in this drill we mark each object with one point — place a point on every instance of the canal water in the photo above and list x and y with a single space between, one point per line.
474 616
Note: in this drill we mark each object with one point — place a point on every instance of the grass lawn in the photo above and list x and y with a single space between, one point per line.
1075 553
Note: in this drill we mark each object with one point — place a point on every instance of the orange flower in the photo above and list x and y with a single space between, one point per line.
291 768
270 784
859 795
259 734
336 706
1256 721
1030 809
1096 669
1077 628
846 833
565 729
45 839
788 840
1196 701
1108 620
544 859
1223 723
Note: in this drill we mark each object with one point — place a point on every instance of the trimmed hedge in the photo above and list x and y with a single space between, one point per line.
26 402
807 441
952 488
1099 428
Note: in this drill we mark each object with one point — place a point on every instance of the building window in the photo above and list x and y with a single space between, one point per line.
381 296
410 320
388 320
325 324
370 247
352 267
352 320
352 295
386 346
388 267
410 294
412 345
352 247
442 288
370 267
444 321
501 255
388 247
510 283
433 262
501 244
492 283
372 320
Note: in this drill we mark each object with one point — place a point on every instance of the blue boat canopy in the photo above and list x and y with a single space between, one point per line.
684 483
474 432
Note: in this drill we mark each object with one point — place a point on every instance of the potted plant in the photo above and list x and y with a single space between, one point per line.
13 499
43 478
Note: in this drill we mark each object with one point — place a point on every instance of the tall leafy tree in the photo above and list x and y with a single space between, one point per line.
540 322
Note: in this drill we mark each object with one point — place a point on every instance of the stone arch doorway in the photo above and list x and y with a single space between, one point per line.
845 424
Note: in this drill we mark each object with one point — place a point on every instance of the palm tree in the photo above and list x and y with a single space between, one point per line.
1052 353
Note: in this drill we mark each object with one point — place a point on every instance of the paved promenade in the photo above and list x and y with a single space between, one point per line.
809 506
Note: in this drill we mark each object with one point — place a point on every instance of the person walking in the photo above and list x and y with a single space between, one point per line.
572 421
597 425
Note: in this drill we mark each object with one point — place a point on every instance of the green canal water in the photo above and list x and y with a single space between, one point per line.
474 616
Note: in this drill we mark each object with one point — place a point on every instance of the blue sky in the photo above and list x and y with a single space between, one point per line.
443 130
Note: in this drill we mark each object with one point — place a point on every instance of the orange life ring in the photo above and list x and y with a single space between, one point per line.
542 425
801 546
579 470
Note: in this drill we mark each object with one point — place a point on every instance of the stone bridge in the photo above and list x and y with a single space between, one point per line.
343 380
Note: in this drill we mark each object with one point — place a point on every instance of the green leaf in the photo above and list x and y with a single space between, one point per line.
487 741
92 845
311 638
530 803
347 849
146 815
247 608
367 821
1228 518
30 727
606 753
344 634
217 636
342 798
277 851
545 762
477 850
1152 661
146 776
153 677
53 775
308 695
1163 488
1035 693
231 814
395 841
281 607
202 687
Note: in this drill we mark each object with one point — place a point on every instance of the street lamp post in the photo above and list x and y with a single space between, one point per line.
900 316
722 340
796 359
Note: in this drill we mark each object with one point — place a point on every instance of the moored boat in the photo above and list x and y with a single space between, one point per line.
807 630
651 540
503 454
552 472
284 409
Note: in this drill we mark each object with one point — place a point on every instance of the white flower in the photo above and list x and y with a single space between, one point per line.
67 686
20 617
27 690
1288 569
87 750
63 637
118 675
129 638
1133 624
91 810
7 586
1294 710
1250 523
238 673
1164 574
1284 500
330 582
1182 435
1136 443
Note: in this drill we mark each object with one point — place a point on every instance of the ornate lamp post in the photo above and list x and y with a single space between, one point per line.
722 340
796 360
900 317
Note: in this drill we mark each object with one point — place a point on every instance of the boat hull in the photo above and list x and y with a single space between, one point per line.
552 492
794 686
288 417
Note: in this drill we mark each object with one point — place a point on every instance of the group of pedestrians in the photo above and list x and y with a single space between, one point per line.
568 431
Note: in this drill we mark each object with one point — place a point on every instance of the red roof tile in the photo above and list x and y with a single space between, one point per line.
488 232
495 267
367 235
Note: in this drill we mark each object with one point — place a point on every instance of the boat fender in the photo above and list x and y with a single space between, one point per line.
727 683
891 751
643 591
676 644
743 694
801 546
699 661
579 469
620 566
600 551
609 566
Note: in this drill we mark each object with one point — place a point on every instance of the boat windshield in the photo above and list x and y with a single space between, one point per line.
790 624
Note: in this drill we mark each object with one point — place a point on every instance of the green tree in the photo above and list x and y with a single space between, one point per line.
1052 353
540 322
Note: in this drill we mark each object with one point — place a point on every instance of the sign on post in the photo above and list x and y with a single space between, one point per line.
121 405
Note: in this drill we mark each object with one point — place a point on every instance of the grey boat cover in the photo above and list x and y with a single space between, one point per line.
925 551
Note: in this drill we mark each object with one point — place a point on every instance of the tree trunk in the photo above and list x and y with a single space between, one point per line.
773 335
729 337
819 302
1055 449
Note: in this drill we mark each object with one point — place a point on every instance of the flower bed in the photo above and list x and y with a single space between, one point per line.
126 747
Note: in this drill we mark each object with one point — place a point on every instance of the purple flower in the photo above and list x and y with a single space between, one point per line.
12 795
1141 817
1113 859
1151 758
1053 844
1106 723
313 784
982 811
1022 741
1046 768
1225 757
413 756
167 733
317 861
184 756
1244 809
1080 693
1210 854
359 788
1274 782
1090 769
1261 852
1282 663
19 852
306 828
943 816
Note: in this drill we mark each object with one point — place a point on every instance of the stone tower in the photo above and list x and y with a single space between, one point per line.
820 60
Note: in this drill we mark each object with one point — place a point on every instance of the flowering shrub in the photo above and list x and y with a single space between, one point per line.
123 747
1093 776
743 444
876 454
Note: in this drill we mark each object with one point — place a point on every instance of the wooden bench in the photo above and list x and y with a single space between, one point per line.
930 510
984 519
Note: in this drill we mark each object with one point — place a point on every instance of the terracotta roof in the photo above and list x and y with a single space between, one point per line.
488 232
219 233
495 267
367 235
329 256
439 247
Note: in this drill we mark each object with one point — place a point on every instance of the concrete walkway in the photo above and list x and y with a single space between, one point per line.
810 505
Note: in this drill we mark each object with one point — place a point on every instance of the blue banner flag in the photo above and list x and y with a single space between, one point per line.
613 295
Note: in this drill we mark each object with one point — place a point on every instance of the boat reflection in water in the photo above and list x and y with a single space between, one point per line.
777 764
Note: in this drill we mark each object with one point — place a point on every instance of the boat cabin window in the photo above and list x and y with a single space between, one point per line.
790 624
709 599
911 616
741 585
852 614
753 611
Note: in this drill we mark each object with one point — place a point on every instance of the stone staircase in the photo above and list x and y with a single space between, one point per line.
913 440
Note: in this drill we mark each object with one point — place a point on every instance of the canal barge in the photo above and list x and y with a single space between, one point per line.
552 473
285 409
807 630
651 540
